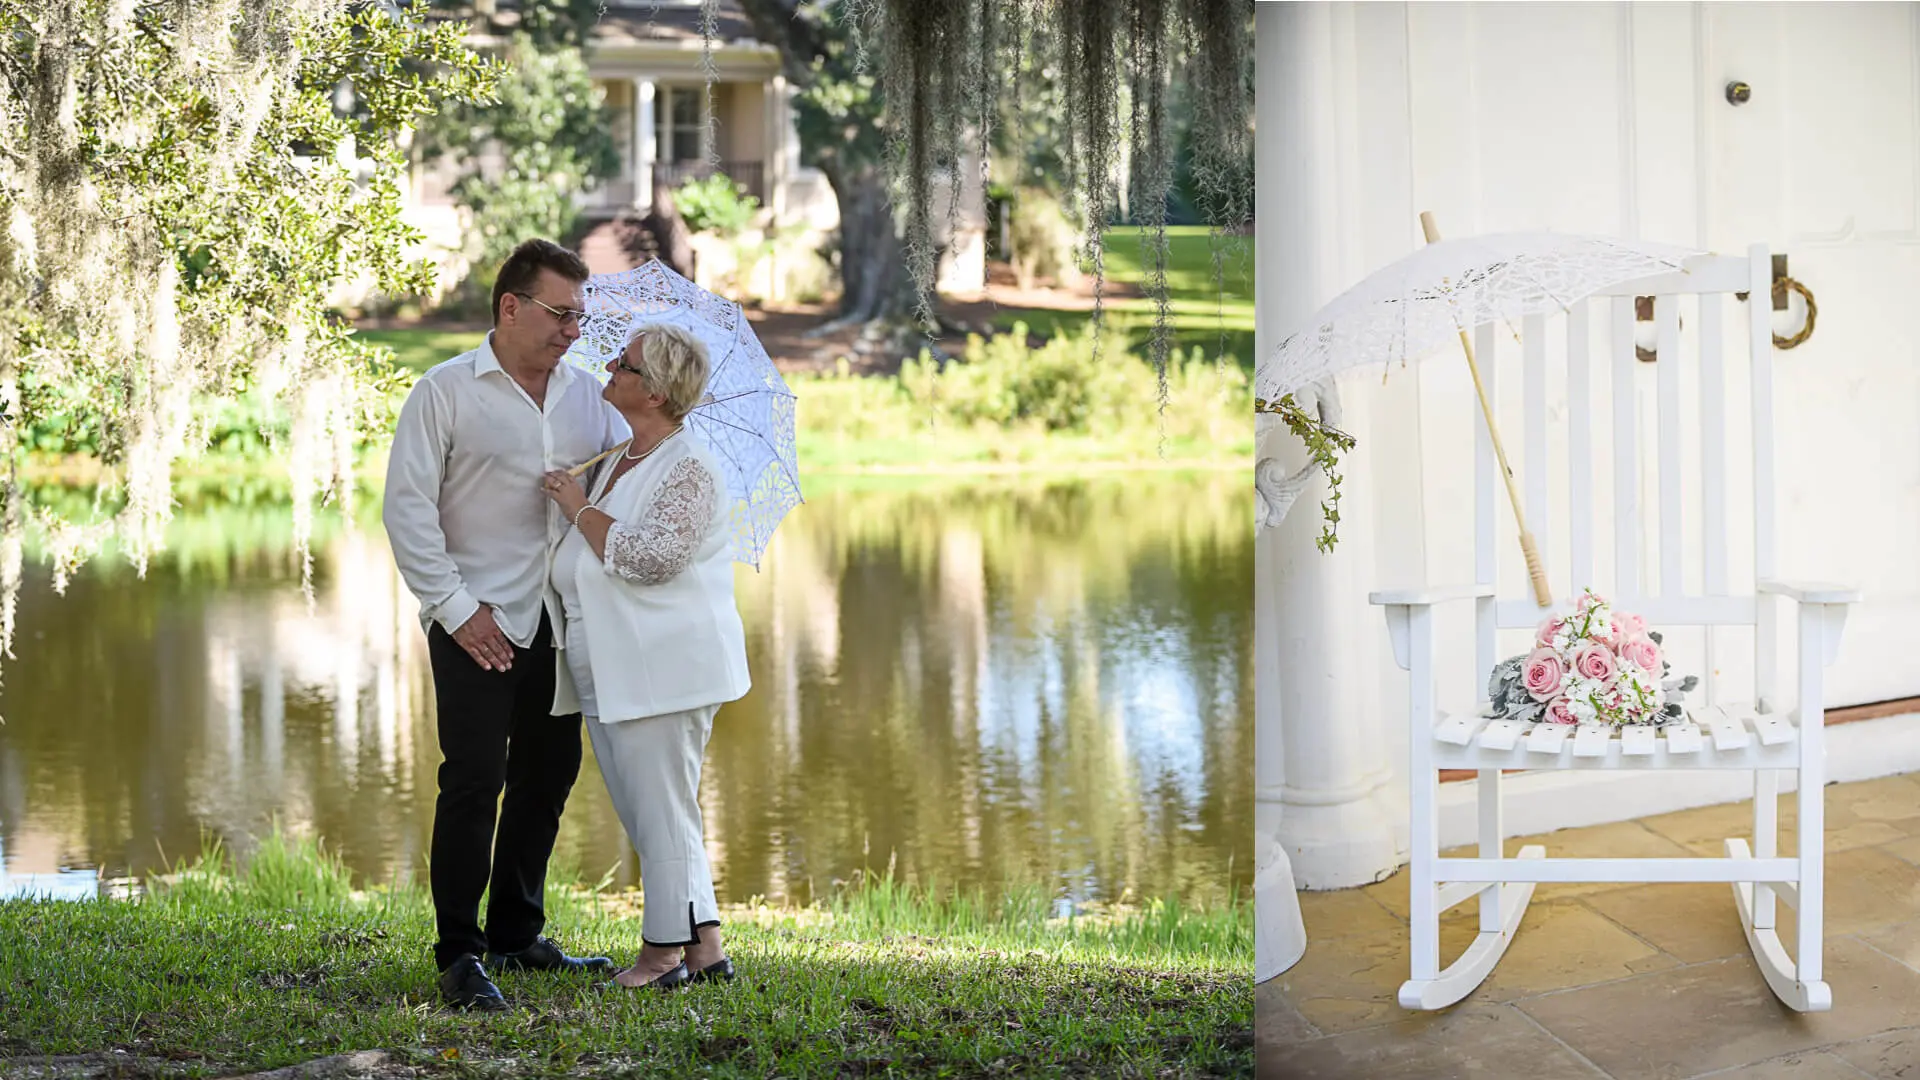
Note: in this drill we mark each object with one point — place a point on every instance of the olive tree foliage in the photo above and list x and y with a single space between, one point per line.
894 94
182 182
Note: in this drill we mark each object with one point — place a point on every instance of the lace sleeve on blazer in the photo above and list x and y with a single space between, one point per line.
670 529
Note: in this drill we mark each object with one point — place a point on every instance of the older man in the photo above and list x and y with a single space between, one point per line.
472 534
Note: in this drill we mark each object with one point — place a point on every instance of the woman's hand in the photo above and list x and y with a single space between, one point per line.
565 491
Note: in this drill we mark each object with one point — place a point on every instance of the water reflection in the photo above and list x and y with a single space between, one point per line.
63 884
1044 682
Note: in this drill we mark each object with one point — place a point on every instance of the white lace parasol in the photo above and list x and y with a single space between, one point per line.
747 415
1421 303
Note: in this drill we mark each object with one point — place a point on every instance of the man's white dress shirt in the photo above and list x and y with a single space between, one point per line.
465 515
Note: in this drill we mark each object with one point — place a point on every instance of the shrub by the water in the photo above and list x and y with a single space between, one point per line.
1066 386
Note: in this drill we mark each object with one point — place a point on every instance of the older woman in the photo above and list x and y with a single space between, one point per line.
653 643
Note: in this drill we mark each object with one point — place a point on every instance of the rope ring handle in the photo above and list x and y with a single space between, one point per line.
1648 356
1783 286
1780 288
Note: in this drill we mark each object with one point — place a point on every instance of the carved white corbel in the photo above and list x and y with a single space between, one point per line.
1278 489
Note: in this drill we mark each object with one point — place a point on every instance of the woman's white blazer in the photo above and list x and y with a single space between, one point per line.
667 647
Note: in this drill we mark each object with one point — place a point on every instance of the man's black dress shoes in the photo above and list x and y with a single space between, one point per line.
465 985
544 955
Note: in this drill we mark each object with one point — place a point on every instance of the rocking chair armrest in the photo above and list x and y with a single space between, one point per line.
1810 592
1427 595
1406 607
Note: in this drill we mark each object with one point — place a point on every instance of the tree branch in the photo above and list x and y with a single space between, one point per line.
793 26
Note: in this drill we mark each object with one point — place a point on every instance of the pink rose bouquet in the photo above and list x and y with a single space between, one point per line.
1593 665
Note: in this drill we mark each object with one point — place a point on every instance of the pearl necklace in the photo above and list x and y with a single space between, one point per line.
627 455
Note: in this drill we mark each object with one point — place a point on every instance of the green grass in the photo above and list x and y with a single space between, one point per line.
418 350
1202 316
224 968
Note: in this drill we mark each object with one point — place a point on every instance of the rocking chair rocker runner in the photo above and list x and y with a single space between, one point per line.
1716 734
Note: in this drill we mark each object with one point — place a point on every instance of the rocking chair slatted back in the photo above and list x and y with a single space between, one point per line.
1580 443
1670 530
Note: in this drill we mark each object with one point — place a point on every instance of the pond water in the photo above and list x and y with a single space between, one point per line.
987 684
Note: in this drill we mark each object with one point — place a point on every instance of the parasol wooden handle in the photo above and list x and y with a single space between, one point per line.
597 459
1535 570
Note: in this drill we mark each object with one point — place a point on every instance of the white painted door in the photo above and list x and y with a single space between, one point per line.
1821 164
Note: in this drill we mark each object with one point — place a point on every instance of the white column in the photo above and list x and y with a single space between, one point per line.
778 117
1280 935
1321 764
644 150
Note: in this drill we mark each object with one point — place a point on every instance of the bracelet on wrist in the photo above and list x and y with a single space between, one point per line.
577 513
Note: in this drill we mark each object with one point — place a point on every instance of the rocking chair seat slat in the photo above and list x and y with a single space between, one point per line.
1459 728
1547 738
1683 738
1727 730
1501 734
1637 740
1590 740
1772 728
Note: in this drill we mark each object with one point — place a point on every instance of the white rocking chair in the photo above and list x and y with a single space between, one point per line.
1716 734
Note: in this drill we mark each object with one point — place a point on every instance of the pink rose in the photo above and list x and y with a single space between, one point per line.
1596 661
1614 630
1544 637
1543 674
1633 625
1560 712
1642 653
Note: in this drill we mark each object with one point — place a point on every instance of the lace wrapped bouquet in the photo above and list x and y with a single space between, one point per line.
1592 666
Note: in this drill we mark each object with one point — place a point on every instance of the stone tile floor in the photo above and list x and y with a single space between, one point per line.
1632 982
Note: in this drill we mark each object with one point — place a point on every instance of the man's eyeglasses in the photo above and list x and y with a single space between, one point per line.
565 316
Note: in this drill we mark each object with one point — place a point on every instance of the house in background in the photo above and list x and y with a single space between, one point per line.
647 58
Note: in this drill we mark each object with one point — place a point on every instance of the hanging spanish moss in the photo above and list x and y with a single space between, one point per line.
945 71
1090 41
1220 80
710 29
1152 172
935 85
178 196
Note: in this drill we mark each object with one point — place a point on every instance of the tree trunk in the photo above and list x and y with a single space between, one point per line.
874 281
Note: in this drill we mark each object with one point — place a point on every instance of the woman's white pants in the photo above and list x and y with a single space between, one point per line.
652 769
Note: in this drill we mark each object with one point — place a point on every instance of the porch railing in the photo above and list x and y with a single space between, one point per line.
748 174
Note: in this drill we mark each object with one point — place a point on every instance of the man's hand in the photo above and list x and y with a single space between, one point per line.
482 639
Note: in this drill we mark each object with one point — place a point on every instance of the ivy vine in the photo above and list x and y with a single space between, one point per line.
1325 444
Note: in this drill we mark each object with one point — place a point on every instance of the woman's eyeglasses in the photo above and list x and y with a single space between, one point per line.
620 361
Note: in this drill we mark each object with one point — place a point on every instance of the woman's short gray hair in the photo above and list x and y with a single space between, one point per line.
674 364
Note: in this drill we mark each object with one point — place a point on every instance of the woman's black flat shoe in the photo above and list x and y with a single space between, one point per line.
673 979
717 972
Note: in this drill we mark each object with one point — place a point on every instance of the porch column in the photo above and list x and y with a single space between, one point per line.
1322 770
778 118
644 151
